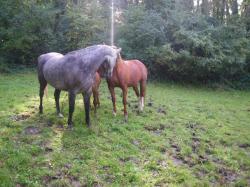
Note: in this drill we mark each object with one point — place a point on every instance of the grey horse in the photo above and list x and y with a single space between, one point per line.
75 73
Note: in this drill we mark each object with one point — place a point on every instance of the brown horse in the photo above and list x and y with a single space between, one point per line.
95 91
126 74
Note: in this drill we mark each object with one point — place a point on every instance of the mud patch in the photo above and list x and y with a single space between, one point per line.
63 176
150 104
176 147
136 142
194 126
177 161
156 129
20 117
226 175
244 145
162 110
129 159
31 130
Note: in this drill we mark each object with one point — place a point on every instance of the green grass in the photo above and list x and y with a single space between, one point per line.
189 137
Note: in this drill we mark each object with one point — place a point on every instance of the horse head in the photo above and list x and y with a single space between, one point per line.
109 63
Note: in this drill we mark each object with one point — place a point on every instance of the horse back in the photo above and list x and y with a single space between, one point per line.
137 69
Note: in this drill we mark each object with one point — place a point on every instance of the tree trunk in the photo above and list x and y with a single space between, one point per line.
205 7
198 6
227 10
222 9
234 7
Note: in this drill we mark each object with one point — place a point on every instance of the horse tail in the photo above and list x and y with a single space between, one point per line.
42 81
143 81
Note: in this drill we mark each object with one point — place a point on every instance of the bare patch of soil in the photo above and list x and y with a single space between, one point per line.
162 110
20 117
156 129
244 145
31 130
226 175
63 174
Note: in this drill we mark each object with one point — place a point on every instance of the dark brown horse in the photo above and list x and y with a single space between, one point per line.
126 74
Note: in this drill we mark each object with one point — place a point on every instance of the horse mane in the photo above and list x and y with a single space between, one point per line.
119 58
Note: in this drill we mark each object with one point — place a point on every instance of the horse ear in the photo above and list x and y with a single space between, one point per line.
119 50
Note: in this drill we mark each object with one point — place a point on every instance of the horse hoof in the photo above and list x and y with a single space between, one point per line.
60 115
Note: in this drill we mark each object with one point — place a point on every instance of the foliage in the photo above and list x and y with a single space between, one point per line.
175 39
192 47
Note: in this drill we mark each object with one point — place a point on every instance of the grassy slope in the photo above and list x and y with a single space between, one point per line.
189 136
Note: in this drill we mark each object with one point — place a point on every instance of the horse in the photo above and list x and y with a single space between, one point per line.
126 74
75 73
95 87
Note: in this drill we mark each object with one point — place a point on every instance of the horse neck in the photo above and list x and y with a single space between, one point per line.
97 65
120 61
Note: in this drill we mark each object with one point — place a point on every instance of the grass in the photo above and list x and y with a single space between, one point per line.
187 136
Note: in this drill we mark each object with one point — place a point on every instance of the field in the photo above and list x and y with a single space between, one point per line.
187 136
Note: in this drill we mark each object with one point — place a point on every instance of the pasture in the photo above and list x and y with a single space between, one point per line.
186 136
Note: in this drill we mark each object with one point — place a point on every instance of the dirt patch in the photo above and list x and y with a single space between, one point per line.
62 174
176 147
48 149
156 129
162 110
96 184
20 117
201 173
177 161
150 103
194 126
202 159
76 183
226 175
129 159
195 146
31 130
19 185
244 145
136 142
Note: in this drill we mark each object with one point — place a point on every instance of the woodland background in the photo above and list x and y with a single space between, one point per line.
182 40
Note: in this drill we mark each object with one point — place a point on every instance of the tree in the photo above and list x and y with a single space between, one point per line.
205 7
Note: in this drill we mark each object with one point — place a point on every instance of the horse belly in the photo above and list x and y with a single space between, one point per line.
134 78
54 76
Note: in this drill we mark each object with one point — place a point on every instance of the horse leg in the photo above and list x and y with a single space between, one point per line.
43 84
72 97
142 93
124 96
86 97
57 97
95 101
112 91
138 95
